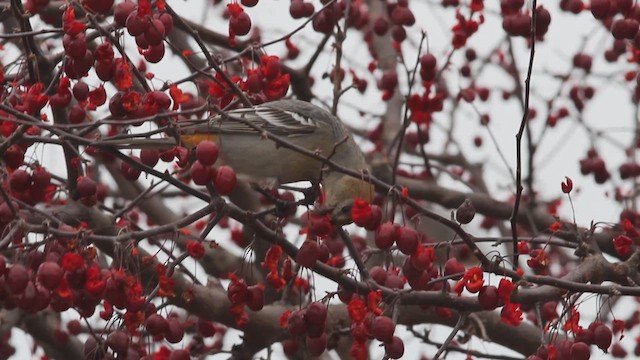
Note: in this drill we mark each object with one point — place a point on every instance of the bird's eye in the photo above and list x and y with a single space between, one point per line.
345 209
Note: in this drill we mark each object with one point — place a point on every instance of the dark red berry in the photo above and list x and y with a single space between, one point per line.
382 328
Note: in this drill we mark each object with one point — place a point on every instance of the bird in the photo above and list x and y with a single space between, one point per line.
239 135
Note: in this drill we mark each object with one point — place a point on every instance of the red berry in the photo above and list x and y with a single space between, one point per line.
50 274
149 157
225 180
389 80
249 3
167 21
155 32
20 181
241 24
207 152
398 33
130 173
408 240
13 156
16 279
308 254
316 314
386 235
86 187
136 25
74 327
317 345
296 9
200 173
81 91
602 336
122 12
465 212
118 341
428 62
77 114
75 46
93 349
3 265
156 324
99 6
580 351
452 267
382 328
488 297
296 324
175 331
625 28
60 100
290 347
378 274
155 53
380 26
162 100
394 348
617 351
255 298
180 354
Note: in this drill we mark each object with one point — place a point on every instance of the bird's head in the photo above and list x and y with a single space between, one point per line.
341 191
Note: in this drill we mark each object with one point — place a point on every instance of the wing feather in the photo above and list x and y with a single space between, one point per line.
276 121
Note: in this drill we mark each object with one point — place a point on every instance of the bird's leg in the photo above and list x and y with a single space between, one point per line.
282 207
310 195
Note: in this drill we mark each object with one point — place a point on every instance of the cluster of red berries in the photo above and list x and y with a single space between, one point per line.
594 164
308 323
149 27
517 22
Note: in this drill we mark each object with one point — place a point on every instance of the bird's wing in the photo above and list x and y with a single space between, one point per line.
276 121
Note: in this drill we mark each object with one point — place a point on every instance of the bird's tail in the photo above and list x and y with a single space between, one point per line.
138 143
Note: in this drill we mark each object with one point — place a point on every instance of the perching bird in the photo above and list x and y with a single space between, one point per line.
250 154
